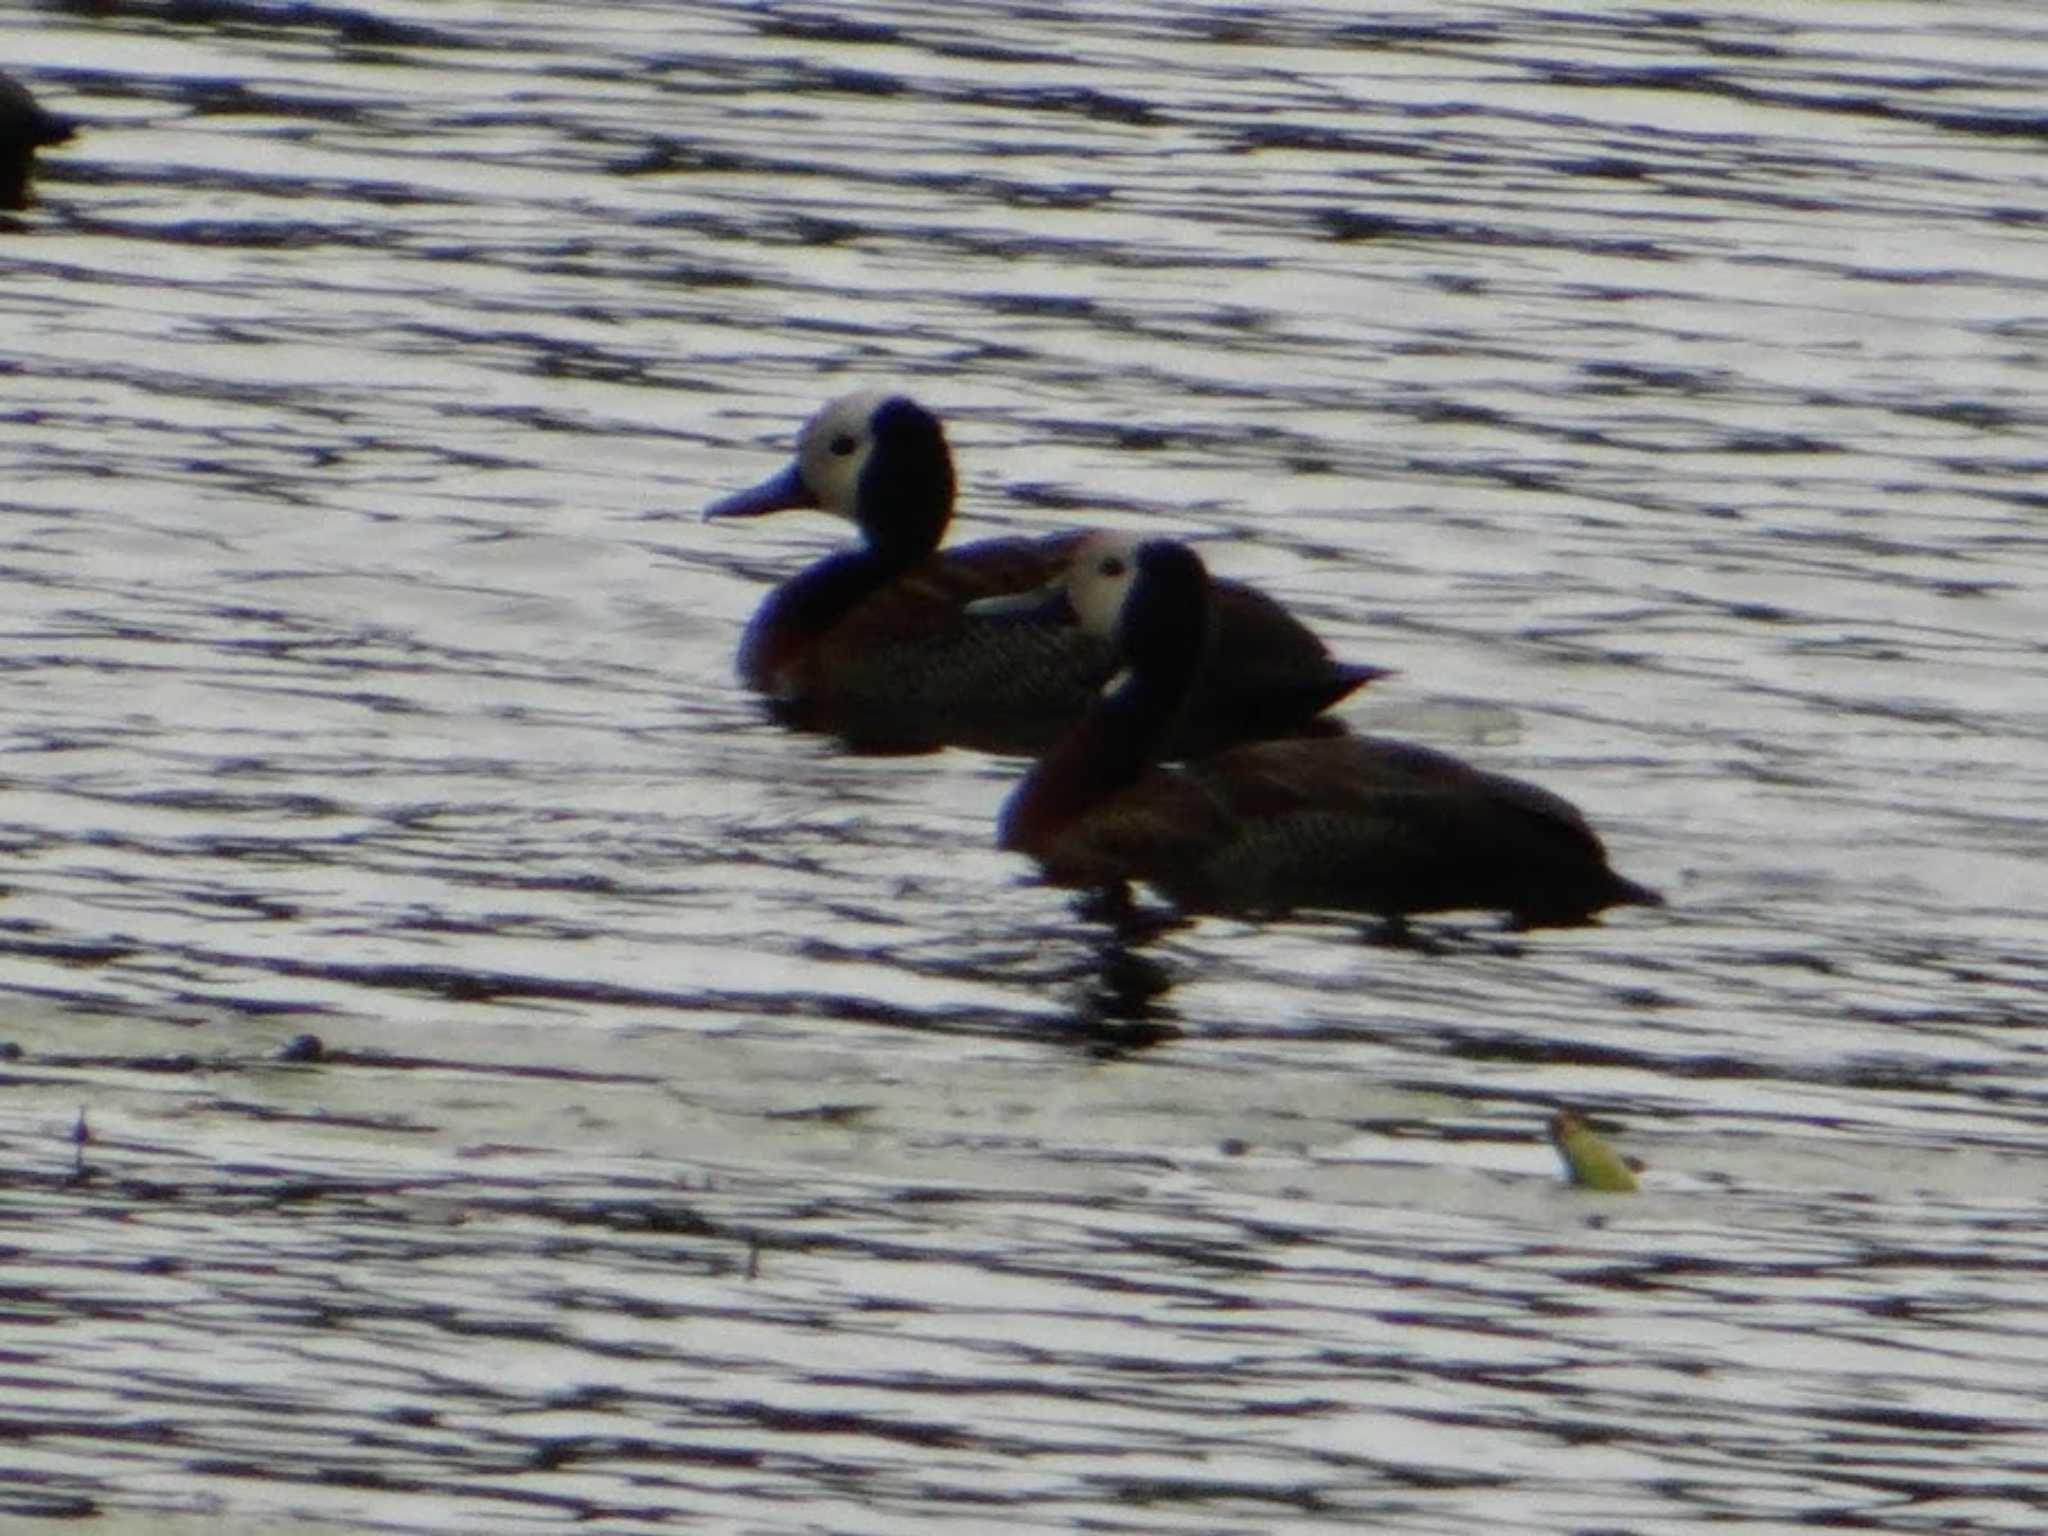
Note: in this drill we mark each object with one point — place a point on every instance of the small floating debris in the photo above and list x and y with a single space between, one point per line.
1588 1161
307 1047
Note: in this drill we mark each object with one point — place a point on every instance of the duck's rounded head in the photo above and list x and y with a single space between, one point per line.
1098 581
1164 625
876 458
1149 596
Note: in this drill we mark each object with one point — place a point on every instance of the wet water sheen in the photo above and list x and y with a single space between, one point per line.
713 1131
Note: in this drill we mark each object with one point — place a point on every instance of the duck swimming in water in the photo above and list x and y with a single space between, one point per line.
25 127
1353 823
874 645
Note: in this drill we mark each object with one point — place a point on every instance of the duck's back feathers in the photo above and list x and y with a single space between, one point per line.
1268 674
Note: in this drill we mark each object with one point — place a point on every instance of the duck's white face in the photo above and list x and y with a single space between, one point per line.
833 449
1099 579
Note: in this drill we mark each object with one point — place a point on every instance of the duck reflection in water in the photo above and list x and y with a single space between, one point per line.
874 645
1350 823
1123 1009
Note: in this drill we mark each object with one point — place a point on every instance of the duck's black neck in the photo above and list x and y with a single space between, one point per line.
906 490
903 501
1127 729
1164 634
1124 733
814 601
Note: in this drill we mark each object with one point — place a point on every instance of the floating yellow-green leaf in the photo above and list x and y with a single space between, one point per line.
1588 1161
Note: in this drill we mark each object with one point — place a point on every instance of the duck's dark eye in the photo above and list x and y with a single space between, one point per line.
1112 566
844 444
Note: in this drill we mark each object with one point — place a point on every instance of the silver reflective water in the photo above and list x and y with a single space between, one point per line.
713 1132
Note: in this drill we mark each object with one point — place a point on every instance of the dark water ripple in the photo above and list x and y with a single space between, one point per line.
354 1282
705 1127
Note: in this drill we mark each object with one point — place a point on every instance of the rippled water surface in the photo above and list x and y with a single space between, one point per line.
714 1132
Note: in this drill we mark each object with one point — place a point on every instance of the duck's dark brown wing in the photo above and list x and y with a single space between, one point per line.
1380 826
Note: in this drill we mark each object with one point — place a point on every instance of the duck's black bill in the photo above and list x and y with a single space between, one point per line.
778 493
